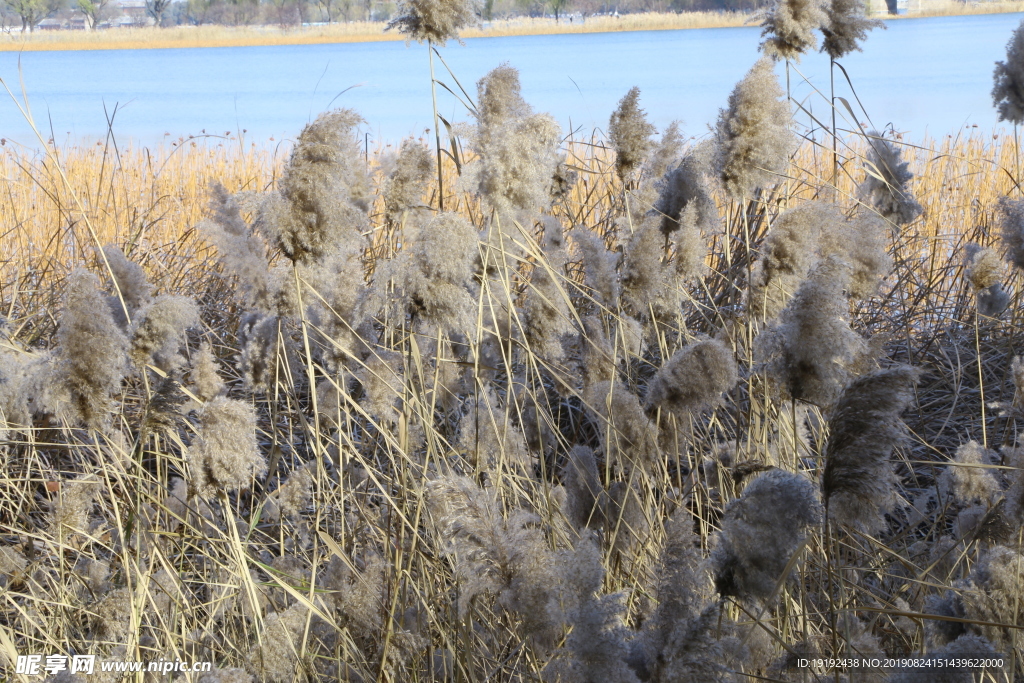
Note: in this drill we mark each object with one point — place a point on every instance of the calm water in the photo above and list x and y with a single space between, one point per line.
922 75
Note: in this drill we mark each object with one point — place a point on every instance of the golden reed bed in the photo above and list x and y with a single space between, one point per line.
152 199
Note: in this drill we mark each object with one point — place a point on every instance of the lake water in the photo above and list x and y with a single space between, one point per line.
921 76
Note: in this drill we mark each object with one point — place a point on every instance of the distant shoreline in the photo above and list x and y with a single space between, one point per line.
363 32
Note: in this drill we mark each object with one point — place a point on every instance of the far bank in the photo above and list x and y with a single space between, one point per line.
211 35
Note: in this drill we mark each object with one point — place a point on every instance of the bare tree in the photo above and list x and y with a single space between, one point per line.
93 11
330 9
156 9
30 12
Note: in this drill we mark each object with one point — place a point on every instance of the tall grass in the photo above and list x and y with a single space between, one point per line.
552 439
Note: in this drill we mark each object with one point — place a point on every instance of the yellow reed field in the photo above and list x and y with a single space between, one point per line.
153 199
149 199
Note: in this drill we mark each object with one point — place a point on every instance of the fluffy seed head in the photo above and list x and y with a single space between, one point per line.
383 381
586 501
488 437
224 455
205 374
430 281
627 434
666 153
651 286
241 252
630 134
789 28
984 270
324 190
787 254
598 267
687 186
518 148
276 657
158 331
845 27
760 532
694 378
1011 225
973 482
435 21
71 509
885 182
865 426
812 349
993 594
753 133
92 358
547 319
263 343
295 493
130 278
1008 88
505 556
403 187
993 300
862 242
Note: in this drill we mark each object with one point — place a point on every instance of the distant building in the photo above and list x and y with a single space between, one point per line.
132 13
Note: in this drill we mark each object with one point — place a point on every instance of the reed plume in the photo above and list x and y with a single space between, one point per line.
547 319
158 332
430 281
687 185
753 132
406 179
488 437
242 253
130 279
973 482
862 242
599 267
91 351
435 21
982 266
789 28
518 148
586 501
596 648
885 182
761 530
627 434
651 283
1008 87
224 454
845 27
205 374
324 191
811 348
858 483
1010 214
788 253
630 134
693 379
506 557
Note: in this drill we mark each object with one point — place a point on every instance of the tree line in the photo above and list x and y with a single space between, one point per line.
26 14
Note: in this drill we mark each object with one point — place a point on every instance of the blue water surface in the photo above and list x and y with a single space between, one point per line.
920 76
